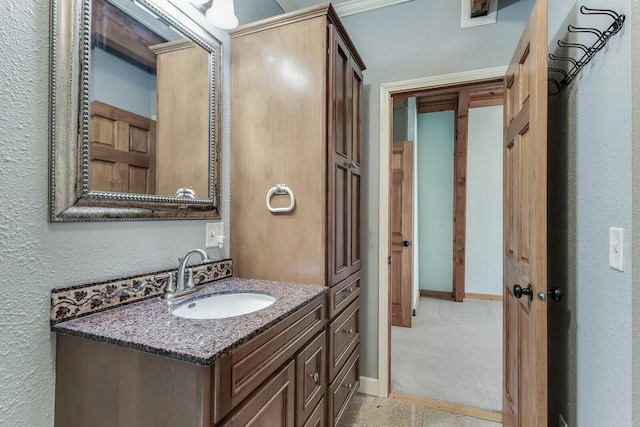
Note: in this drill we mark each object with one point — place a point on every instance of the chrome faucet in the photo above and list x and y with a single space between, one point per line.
183 288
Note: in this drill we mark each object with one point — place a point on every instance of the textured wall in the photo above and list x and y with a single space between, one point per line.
402 42
435 199
483 250
36 256
590 331
635 72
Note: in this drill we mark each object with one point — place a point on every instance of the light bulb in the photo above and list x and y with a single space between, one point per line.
222 14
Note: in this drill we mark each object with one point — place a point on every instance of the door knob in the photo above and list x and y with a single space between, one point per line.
405 243
555 293
518 291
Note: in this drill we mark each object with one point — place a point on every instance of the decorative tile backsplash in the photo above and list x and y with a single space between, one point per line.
81 300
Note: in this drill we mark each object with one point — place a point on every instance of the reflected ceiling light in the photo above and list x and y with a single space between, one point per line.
222 14
199 2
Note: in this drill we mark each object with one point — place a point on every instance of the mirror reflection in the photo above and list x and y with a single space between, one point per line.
150 106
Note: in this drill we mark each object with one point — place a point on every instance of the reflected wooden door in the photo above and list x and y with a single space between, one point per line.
401 232
525 228
122 151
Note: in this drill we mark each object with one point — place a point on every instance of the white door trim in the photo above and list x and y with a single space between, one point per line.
386 91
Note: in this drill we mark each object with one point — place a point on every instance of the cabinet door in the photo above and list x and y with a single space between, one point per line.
273 404
341 146
355 254
310 378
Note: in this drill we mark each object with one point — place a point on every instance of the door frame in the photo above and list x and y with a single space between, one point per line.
386 139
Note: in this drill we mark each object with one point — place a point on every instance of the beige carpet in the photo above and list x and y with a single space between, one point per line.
452 353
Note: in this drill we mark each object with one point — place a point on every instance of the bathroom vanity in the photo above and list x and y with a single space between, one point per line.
141 365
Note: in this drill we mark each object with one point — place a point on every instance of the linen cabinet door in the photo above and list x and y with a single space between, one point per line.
355 253
340 132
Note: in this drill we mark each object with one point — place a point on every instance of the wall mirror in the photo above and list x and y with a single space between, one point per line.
135 112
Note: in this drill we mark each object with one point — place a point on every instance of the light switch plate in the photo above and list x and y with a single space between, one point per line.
213 230
616 245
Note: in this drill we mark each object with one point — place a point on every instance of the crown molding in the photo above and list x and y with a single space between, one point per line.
352 7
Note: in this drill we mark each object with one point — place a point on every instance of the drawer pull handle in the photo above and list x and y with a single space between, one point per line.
349 386
348 331
315 376
350 290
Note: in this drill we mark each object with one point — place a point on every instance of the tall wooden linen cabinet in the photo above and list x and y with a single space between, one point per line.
297 120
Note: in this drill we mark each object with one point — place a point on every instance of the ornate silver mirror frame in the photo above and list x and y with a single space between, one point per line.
70 199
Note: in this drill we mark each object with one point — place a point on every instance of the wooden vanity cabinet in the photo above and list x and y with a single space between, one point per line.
296 119
276 379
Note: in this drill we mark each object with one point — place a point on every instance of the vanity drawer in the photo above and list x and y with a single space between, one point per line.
241 372
344 336
343 388
342 294
310 378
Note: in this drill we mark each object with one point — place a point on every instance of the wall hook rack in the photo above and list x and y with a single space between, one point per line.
587 52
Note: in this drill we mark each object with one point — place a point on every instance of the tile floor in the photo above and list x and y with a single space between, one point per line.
369 411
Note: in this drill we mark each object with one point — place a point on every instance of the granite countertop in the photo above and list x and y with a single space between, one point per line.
150 327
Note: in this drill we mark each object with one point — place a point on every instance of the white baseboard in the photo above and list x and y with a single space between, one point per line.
369 386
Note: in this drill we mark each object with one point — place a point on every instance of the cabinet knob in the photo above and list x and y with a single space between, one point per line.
350 290
348 331
349 386
315 376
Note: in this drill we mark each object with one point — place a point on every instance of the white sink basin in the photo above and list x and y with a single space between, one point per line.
221 306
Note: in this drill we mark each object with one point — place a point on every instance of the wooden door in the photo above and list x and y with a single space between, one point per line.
401 232
340 129
525 228
122 151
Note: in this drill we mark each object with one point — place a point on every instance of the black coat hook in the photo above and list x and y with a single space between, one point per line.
588 53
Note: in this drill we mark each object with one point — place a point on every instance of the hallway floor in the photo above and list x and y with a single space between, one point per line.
453 353
369 411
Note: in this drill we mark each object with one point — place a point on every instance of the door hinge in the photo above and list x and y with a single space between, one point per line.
389 260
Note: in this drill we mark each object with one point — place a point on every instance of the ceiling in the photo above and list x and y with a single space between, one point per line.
343 7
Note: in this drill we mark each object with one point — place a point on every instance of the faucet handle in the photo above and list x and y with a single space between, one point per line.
171 285
190 283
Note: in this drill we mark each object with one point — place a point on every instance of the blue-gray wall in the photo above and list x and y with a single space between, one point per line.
484 244
435 199
122 84
36 256
412 135
635 91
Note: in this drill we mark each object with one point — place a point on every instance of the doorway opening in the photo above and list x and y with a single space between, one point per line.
429 196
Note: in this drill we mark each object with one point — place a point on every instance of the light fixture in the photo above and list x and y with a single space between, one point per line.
222 14
198 2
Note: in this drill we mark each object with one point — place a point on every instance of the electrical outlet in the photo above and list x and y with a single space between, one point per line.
213 230
562 422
